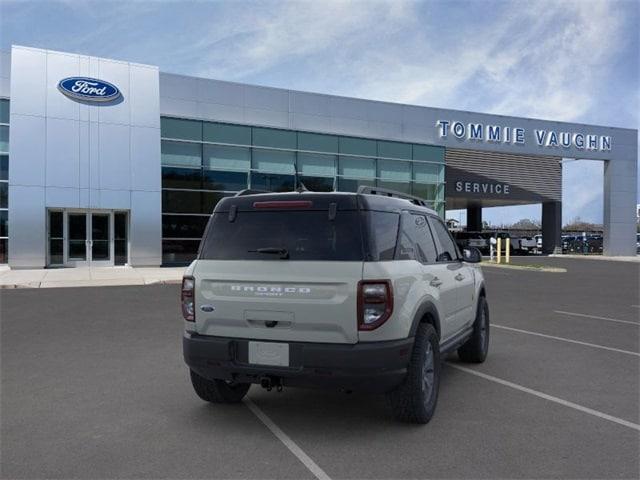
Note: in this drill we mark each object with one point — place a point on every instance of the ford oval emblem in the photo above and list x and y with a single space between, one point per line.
89 89
207 308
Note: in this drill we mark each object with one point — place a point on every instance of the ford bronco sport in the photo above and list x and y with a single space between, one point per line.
354 291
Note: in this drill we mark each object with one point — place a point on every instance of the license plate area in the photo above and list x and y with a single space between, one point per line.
269 353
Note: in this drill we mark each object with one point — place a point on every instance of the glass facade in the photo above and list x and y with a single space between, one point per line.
203 162
4 180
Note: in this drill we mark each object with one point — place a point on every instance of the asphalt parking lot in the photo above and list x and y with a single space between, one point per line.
93 386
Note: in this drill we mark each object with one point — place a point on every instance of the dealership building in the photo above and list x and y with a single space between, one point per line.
107 162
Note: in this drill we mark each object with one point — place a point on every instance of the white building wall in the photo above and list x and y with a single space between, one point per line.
71 154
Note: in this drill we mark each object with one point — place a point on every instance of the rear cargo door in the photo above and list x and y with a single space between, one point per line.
281 270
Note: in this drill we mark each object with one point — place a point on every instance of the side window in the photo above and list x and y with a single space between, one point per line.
447 251
415 241
382 234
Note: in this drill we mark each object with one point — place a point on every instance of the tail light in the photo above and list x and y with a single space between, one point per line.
187 298
375 303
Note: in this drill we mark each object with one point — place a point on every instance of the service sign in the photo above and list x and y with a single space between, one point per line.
88 89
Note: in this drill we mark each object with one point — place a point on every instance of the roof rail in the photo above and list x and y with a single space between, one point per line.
366 189
249 191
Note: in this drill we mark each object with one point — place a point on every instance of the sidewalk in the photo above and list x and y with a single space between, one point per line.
635 259
88 277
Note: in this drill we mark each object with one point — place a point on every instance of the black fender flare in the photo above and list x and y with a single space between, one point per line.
426 308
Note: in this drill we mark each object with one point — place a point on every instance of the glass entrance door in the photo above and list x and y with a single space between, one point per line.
87 238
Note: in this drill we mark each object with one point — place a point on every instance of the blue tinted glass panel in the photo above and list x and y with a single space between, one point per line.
428 153
428 172
272 182
426 191
184 226
4 139
4 167
274 161
4 229
179 153
224 133
271 137
227 158
211 199
4 111
392 170
316 164
355 167
316 184
351 185
397 186
358 146
190 178
317 143
175 201
394 150
228 181
179 252
4 195
182 129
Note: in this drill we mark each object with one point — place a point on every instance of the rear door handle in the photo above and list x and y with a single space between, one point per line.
459 277
436 282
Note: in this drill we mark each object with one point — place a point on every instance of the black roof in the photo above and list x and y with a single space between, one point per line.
322 200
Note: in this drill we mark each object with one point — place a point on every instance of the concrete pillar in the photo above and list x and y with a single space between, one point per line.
552 227
620 198
474 218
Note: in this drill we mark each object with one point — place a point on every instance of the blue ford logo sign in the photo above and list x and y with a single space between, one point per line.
89 89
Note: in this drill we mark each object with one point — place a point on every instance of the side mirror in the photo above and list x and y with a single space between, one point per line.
471 255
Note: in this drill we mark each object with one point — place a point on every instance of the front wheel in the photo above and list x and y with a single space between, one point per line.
218 391
416 398
476 348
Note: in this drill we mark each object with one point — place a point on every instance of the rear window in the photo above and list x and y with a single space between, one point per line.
266 235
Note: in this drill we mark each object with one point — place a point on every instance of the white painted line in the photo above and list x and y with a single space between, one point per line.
608 319
563 339
288 442
551 398
636 306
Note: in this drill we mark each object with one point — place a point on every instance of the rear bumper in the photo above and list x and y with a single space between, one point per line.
369 367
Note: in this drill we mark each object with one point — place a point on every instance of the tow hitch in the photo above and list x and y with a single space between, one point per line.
268 383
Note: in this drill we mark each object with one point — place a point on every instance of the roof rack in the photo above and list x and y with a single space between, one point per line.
250 191
366 189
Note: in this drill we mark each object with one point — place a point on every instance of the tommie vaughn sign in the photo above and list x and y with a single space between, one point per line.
478 132
88 89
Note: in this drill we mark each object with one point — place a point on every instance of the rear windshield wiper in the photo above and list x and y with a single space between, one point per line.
283 252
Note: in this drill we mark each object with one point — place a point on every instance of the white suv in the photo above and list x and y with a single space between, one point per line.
354 291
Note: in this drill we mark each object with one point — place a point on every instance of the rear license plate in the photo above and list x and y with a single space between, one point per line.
269 353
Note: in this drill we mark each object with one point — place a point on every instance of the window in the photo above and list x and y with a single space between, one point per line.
305 235
4 139
382 233
317 143
274 161
394 171
182 129
228 181
426 191
350 185
4 111
271 137
316 165
224 133
272 182
180 153
120 243
427 153
357 167
428 172
416 242
358 146
184 226
176 201
447 250
227 158
190 178
4 195
4 167
316 184
4 223
179 252
394 150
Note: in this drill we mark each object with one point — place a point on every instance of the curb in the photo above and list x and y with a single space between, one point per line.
525 267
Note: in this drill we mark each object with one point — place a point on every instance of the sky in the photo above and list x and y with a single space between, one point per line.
558 60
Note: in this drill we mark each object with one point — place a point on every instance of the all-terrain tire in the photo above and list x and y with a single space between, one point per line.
476 348
218 391
416 398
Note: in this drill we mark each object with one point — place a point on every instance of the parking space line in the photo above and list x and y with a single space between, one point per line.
551 398
287 441
596 317
563 339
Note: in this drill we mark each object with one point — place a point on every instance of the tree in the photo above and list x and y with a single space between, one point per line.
525 224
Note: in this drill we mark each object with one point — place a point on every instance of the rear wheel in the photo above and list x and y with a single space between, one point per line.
218 391
476 348
416 398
